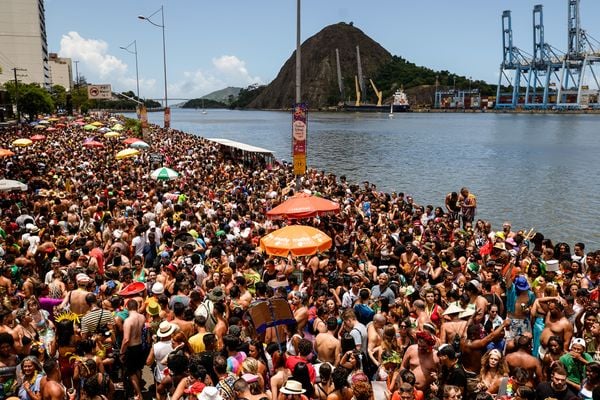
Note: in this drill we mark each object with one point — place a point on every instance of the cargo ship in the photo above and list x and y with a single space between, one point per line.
399 104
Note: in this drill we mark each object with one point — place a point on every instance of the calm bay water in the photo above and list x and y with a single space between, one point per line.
537 171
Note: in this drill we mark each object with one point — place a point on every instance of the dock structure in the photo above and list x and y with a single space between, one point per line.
549 78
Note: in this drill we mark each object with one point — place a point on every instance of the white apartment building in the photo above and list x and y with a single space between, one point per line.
23 42
61 71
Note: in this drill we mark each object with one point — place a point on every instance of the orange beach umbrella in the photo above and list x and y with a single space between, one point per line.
6 153
304 206
297 240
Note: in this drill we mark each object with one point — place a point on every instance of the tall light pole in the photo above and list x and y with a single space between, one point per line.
299 117
162 25
137 76
76 73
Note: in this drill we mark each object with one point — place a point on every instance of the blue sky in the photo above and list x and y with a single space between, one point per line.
214 44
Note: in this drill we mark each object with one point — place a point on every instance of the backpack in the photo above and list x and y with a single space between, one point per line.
206 309
367 365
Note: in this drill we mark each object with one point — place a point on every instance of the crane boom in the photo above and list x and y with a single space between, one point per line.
357 90
378 93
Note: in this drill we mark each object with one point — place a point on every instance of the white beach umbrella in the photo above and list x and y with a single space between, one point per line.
6 185
164 174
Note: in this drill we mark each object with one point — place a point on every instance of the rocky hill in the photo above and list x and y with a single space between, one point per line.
319 74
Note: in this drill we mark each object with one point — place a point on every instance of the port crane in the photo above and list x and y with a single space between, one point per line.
549 78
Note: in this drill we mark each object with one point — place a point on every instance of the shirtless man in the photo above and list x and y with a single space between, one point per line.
375 332
187 327
8 359
422 317
300 310
76 298
522 358
52 388
473 289
132 354
454 327
556 324
519 301
329 347
474 347
5 281
245 295
221 326
422 360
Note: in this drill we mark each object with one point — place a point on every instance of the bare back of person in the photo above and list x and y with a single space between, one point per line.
328 348
135 322
471 358
52 390
452 328
77 301
525 360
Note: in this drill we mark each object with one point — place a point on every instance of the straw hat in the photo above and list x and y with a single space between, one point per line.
166 329
210 393
466 313
292 387
453 309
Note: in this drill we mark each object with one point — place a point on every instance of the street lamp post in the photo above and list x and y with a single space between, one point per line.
137 76
162 25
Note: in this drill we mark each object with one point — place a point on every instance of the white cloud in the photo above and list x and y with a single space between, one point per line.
233 67
99 66
93 54
227 71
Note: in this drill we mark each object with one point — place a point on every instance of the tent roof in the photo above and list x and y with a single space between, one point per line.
241 146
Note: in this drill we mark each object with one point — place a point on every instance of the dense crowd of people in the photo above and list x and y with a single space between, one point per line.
106 272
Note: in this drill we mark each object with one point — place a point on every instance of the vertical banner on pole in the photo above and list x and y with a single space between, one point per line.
167 117
299 123
143 119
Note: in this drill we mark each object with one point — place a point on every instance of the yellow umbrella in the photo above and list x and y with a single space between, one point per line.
118 127
127 153
97 123
53 119
22 142
111 134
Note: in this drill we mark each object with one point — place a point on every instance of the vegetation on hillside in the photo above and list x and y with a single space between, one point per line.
203 103
400 72
247 95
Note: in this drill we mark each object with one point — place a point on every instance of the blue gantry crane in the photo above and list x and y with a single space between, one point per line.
549 79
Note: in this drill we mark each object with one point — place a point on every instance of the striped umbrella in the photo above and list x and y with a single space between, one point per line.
164 174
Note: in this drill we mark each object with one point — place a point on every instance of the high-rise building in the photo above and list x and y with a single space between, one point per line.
61 71
23 43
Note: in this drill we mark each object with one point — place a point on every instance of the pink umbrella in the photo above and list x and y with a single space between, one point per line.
93 143
35 138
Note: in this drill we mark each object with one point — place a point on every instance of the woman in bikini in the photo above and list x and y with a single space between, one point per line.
139 272
281 375
324 387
